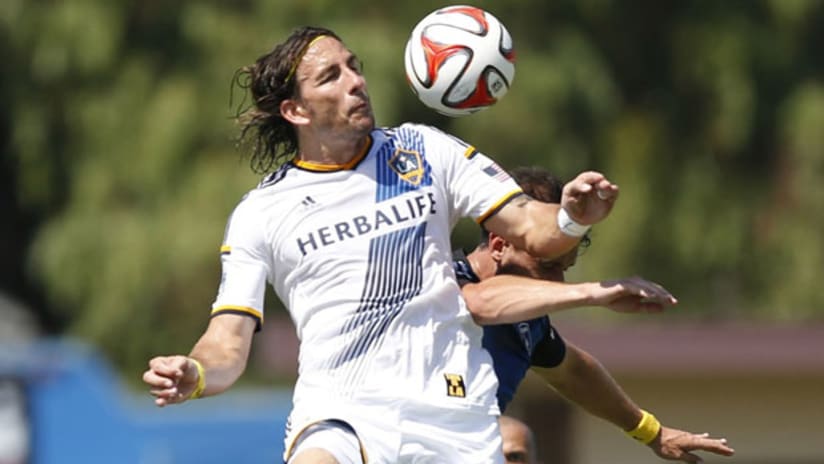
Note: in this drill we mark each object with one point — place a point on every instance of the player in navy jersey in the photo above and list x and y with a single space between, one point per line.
351 227
497 278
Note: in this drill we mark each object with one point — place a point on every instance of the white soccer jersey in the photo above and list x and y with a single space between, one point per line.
360 255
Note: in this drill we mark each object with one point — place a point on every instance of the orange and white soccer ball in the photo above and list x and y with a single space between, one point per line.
459 60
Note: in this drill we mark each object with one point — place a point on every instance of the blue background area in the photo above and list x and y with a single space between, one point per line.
79 412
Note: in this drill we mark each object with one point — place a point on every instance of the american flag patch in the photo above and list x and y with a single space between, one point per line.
494 171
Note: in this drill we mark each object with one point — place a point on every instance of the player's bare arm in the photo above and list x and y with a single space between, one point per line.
505 298
534 225
581 379
222 352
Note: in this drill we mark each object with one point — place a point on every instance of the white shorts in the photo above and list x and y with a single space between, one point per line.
437 436
403 434
334 437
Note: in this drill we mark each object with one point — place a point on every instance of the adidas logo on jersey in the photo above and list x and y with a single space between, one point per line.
308 201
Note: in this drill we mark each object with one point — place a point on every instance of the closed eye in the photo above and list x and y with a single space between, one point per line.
516 456
355 65
329 74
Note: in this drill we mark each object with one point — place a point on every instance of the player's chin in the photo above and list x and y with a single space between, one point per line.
363 121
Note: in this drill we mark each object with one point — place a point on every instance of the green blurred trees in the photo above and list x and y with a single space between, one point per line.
710 115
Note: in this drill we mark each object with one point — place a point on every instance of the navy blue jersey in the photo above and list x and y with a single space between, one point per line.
514 347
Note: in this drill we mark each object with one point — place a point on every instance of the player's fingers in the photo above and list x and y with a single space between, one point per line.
713 445
589 177
653 292
583 183
169 366
154 380
606 190
575 189
160 402
167 393
658 297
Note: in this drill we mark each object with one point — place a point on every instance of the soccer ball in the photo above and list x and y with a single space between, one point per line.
459 60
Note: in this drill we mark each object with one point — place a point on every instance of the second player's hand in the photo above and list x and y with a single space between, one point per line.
633 294
589 198
678 445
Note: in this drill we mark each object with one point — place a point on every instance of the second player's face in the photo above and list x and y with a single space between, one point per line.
517 445
333 89
519 262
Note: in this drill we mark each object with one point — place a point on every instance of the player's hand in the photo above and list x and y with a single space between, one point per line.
633 295
171 379
678 445
589 198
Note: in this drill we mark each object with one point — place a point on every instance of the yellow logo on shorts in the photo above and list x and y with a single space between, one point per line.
455 385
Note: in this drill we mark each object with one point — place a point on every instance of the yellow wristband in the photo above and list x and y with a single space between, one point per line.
201 380
647 429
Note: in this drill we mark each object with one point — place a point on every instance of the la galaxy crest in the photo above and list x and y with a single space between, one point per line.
408 165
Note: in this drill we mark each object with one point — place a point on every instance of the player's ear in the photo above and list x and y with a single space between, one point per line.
294 112
496 246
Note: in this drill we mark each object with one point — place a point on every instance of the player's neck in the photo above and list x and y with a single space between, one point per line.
481 263
339 151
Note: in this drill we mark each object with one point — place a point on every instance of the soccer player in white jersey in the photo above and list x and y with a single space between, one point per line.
352 231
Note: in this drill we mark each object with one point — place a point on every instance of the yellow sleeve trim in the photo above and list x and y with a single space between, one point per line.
498 205
238 309
225 249
470 152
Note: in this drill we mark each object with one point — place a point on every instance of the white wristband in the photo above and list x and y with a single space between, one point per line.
569 227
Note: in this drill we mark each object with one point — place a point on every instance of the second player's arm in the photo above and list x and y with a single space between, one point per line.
583 380
506 299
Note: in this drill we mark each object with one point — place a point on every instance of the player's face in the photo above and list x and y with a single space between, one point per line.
333 90
514 261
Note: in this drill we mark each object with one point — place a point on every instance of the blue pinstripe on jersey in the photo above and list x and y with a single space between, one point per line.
394 276
395 273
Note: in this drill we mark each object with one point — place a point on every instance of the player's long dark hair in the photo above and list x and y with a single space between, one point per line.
270 80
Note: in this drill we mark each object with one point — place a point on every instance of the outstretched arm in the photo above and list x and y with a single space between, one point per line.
581 379
503 299
534 226
222 352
